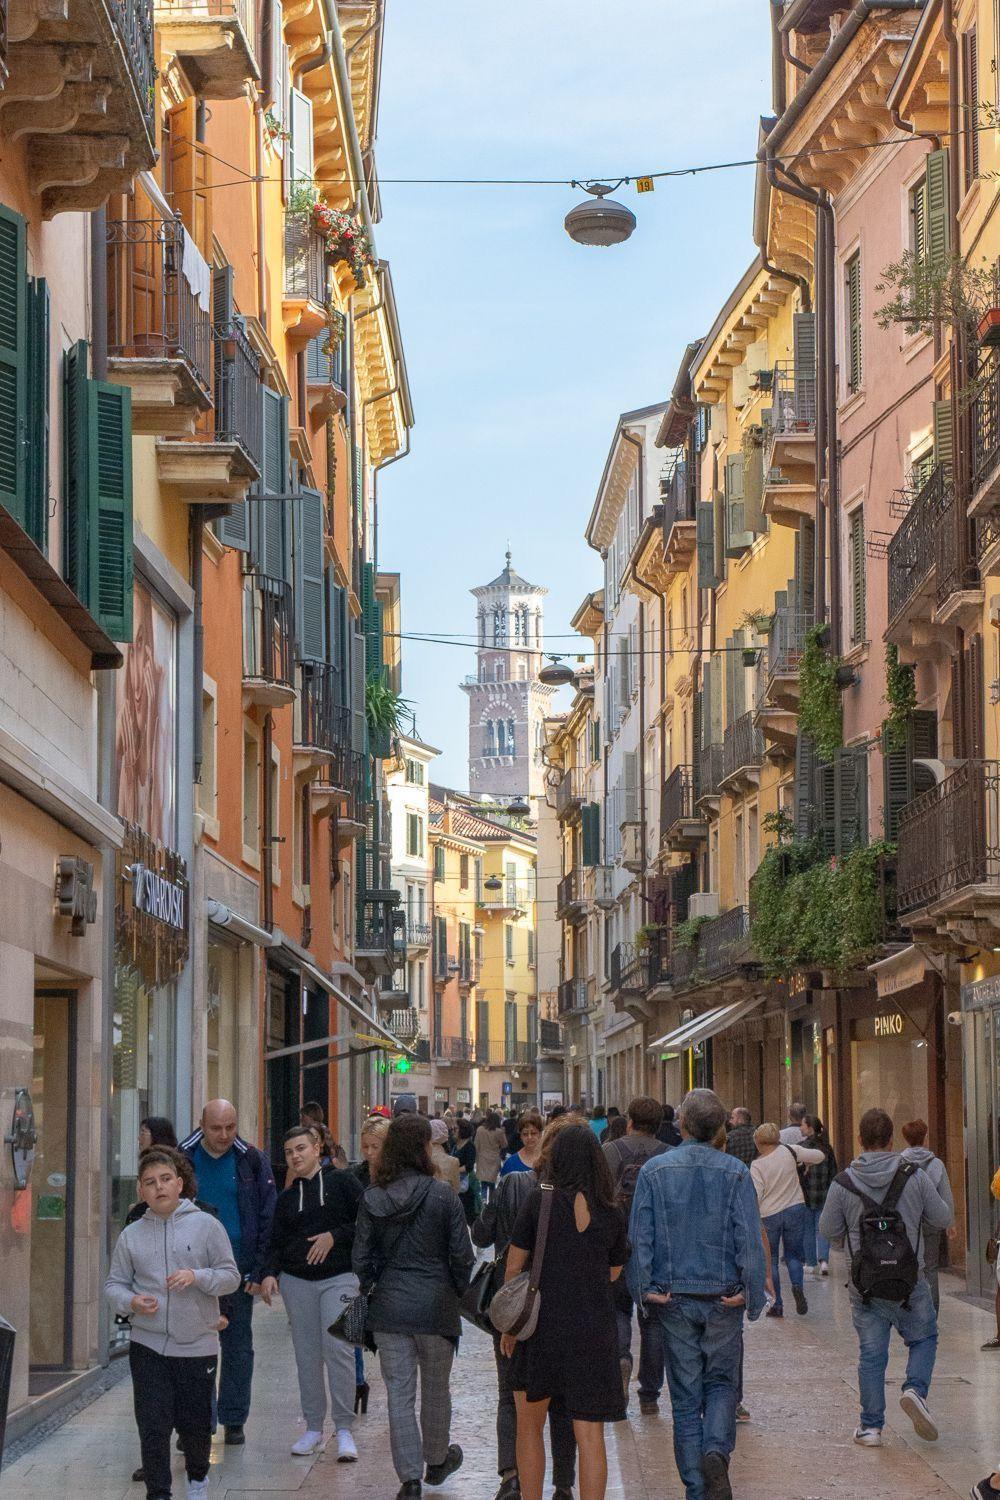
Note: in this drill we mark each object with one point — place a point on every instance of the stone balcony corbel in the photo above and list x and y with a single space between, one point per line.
167 399
203 473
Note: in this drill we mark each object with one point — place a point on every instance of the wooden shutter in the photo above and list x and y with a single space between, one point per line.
970 101
740 640
76 565
705 699
233 529
738 537
715 722
842 801
13 375
630 762
958 712
730 674
804 365
110 458
706 544
309 562
36 503
938 206
975 698
853 300
753 491
190 174
719 529
901 779
590 821
943 434
806 565
857 543
358 719
804 786
268 538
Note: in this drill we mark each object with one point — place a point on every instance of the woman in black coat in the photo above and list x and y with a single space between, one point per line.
412 1249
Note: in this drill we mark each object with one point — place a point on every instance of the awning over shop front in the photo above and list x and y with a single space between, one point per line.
707 1025
375 1032
900 971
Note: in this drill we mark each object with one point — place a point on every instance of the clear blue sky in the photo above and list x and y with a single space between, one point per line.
522 347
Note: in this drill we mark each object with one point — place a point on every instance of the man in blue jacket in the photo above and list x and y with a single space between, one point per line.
698 1261
237 1180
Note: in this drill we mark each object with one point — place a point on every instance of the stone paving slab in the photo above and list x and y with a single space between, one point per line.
801 1388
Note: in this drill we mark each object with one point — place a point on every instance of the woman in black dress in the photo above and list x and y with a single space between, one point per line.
573 1353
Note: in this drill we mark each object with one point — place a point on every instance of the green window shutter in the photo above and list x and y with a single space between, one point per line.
740 639
13 363
852 297
37 450
804 365
729 657
738 537
826 807
705 698
706 544
851 790
753 491
590 819
269 543
805 558
719 537
896 784
804 786
923 745
359 723
76 471
943 434
918 214
857 555
110 495
715 722
938 206
971 106
233 529
310 613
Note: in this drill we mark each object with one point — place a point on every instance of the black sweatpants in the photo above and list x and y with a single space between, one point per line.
171 1392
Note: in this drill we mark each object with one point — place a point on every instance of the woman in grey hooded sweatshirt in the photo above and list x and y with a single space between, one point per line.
915 1135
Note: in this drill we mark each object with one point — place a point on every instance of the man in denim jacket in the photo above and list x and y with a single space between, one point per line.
697 1258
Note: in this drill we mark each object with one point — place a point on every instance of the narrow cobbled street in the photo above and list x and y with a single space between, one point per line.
801 1390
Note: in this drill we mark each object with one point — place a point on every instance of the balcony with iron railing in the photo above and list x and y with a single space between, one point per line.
572 996
445 965
677 494
215 40
404 1024
570 793
949 846
453 1049
742 752
322 724
498 1053
912 555
628 971
790 446
681 823
985 428
724 943
306 282
268 637
569 895
379 938
159 335
418 934
778 663
512 896
710 773
469 969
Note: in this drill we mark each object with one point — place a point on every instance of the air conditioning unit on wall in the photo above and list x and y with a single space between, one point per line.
703 904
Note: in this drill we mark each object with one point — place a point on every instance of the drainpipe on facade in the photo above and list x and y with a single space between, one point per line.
789 57
266 827
959 342
779 89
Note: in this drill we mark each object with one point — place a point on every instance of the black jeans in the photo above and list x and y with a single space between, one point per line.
560 1430
171 1392
651 1359
236 1349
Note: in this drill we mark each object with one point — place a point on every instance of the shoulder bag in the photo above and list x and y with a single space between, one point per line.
474 1303
515 1306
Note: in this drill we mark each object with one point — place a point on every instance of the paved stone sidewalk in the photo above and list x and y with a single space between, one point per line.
801 1388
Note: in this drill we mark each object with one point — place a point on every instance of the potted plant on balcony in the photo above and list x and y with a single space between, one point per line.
645 936
346 239
300 203
820 708
385 711
926 290
273 128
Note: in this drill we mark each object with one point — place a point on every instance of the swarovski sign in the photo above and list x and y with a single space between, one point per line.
158 897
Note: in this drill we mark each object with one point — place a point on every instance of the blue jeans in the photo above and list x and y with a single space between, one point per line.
786 1230
236 1362
916 1326
703 1345
816 1247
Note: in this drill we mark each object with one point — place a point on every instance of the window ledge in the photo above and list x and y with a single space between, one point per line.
851 403
251 857
210 825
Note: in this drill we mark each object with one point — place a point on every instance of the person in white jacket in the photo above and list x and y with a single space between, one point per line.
775 1175
167 1274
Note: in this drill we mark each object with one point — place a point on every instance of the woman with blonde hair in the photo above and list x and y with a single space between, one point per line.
775 1175
373 1133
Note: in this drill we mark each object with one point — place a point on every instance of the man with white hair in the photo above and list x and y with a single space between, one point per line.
236 1179
698 1263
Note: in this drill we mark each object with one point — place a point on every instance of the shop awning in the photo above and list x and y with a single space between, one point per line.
900 971
233 921
707 1025
299 959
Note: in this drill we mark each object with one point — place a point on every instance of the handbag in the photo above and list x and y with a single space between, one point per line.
516 1305
992 1250
352 1325
474 1303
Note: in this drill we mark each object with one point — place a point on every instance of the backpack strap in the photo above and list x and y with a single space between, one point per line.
844 1180
904 1172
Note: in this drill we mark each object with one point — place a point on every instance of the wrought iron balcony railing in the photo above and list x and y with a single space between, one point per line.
724 943
239 414
268 631
572 995
913 550
682 964
321 722
710 772
742 747
985 414
678 798
786 641
445 965
949 837
505 1053
629 969
305 261
418 934
569 892
793 403
677 496
133 20
376 930
153 313
453 1049
570 792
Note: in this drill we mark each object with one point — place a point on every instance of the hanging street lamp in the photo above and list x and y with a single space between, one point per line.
600 220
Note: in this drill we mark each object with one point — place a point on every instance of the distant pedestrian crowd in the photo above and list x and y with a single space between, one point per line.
599 1223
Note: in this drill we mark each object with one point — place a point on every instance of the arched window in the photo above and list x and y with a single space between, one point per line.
499 626
518 624
489 738
481 621
501 737
510 737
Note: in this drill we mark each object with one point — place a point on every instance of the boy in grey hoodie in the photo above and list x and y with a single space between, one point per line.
920 1206
915 1134
167 1273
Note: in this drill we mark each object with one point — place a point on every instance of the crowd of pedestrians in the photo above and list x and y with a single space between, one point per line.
674 1223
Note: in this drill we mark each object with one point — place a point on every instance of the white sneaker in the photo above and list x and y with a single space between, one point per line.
346 1451
197 1489
810 1271
824 1268
916 1409
868 1437
307 1443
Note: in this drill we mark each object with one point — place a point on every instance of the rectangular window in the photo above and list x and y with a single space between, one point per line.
205 791
531 948
970 106
852 308
251 797
463 872
414 772
439 862
856 570
508 942
414 834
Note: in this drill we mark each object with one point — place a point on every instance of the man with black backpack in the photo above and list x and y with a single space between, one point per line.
626 1157
879 1209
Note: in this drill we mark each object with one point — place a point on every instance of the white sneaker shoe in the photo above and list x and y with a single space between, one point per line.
868 1437
197 1489
916 1409
346 1451
824 1268
307 1443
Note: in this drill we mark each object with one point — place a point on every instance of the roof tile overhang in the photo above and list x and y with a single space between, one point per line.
920 90
745 316
681 407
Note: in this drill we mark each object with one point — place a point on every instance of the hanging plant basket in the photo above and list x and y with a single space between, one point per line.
989 327
346 239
